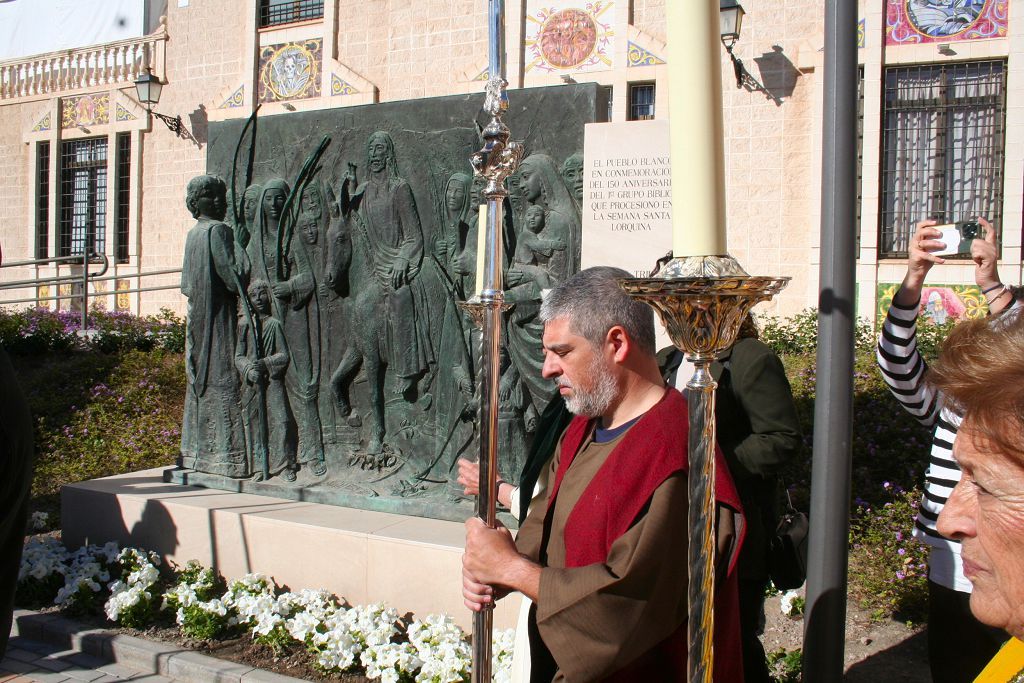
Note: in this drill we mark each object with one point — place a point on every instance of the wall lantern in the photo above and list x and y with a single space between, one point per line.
148 88
730 19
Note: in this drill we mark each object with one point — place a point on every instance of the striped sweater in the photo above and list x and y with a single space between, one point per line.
904 370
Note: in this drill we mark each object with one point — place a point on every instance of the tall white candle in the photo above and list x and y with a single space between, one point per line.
481 248
695 122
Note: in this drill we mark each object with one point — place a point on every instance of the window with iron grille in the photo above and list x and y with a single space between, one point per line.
83 196
641 101
942 147
277 12
123 208
43 199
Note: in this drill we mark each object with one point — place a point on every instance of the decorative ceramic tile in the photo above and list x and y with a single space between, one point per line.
861 29
122 114
85 110
944 21
97 300
236 100
939 303
123 301
66 304
569 35
43 125
340 87
290 71
638 56
43 294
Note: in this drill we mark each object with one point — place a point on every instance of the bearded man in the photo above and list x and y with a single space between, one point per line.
389 237
603 555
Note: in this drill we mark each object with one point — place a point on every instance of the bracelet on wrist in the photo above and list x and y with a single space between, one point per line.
992 300
993 288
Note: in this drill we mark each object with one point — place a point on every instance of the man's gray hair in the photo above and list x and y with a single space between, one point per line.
593 303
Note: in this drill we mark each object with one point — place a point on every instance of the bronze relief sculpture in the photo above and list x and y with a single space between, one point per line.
327 358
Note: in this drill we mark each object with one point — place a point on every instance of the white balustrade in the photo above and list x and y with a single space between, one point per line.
80 68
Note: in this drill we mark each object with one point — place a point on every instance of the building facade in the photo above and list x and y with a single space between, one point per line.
86 167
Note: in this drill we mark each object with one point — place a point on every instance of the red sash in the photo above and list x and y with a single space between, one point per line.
652 450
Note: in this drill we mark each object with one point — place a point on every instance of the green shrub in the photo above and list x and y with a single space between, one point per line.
128 419
930 336
172 332
786 666
888 567
40 330
195 597
799 334
890 455
37 330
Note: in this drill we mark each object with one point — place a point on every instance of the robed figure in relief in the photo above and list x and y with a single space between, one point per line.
211 434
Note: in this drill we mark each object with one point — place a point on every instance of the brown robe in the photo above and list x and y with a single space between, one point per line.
594 620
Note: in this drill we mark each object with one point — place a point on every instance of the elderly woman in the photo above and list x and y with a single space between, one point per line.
981 372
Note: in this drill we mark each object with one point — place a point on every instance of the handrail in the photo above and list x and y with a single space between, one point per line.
63 297
85 277
18 284
84 260
76 258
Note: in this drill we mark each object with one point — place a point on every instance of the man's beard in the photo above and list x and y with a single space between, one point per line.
596 400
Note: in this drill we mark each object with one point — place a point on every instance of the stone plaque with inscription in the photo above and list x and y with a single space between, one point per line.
627 195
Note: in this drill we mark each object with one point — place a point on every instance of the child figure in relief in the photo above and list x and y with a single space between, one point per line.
278 440
534 253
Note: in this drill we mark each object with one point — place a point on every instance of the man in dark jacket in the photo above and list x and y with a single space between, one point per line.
758 433
16 465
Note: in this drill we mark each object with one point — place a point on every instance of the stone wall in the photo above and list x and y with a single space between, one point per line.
17 191
414 49
204 56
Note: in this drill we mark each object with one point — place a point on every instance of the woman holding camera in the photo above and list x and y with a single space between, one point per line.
959 645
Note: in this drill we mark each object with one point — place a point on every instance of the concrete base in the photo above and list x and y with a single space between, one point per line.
412 563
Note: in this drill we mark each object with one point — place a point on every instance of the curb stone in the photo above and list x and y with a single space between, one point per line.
145 656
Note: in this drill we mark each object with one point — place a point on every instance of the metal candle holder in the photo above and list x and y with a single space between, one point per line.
702 300
495 162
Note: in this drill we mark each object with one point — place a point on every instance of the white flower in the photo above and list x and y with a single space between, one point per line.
302 625
337 649
40 520
109 551
442 648
786 602
143 576
42 557
502 647
215 606
389 661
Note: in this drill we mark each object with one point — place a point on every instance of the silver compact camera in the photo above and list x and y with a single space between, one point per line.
958 237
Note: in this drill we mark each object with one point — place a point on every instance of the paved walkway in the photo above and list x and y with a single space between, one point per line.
31 660
49 648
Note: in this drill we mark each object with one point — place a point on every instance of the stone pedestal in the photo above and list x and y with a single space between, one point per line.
412 563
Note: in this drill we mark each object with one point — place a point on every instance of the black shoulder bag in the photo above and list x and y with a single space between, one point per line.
787 551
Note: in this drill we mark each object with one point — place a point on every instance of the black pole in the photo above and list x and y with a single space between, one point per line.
825 616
